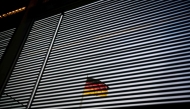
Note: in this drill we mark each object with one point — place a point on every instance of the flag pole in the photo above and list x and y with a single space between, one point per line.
81 101
82 97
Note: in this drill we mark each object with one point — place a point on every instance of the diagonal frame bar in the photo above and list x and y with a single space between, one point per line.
44 64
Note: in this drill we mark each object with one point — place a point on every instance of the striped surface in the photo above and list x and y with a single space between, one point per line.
5 37
23 78
140 49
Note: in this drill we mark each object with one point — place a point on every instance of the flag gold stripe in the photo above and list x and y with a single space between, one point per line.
102 93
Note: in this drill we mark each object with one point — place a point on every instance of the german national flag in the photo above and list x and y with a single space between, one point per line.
95 87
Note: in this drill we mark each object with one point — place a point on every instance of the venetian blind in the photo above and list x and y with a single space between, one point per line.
23 79
140 49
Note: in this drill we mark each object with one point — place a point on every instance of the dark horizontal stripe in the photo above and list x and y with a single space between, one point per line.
37 41
39 36
116 47
122 71
31 56
153 95
132 24
23 78
18 90
127 66
139 95
141 59
158 103
108 8
115 59
127 83
34 52
177 85
129 55
126 74
36 59
142 28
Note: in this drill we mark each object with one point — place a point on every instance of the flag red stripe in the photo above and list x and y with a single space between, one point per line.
95 86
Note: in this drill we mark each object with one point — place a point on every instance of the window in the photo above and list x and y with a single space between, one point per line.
5 37
139 49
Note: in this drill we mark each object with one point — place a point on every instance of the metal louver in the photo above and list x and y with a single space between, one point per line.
5 37
140 49
21 84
